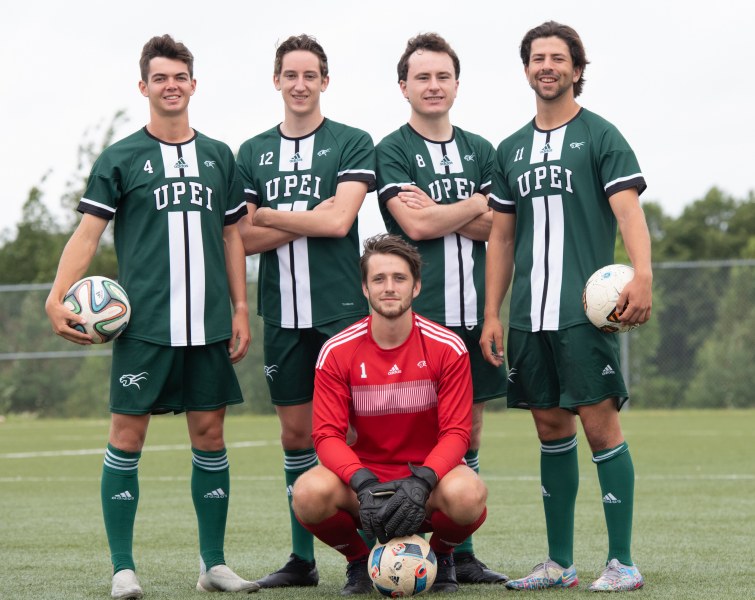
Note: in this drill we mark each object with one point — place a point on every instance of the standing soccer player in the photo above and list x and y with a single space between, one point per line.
305 181
175 197
403 382
563 182
433 181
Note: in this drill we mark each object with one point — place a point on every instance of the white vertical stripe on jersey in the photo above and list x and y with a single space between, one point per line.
555 263
171 158
177 251
179 294
458 269
556 143
554 260
197 280
538 143
300 314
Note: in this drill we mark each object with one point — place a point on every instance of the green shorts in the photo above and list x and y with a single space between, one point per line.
290 357
148 378
488 382
568 368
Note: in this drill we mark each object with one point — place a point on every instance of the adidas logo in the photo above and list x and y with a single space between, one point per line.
445 162
181 164
609 498
123 496
218 493
296 158
394 370
546 149
545 492
608 370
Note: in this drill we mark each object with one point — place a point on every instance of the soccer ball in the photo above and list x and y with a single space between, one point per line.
600 295
103 303
404 566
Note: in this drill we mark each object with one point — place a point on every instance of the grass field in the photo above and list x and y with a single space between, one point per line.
694 510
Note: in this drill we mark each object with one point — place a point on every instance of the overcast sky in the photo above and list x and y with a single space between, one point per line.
672 75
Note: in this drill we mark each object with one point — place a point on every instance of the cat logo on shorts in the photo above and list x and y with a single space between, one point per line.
127 379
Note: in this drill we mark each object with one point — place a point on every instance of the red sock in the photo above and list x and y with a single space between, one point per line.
340 533
447 534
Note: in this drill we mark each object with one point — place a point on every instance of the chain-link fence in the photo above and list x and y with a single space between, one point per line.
698 350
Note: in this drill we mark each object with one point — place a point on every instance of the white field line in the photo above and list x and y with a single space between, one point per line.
90 451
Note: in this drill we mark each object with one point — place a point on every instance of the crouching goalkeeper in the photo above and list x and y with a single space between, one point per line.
401 386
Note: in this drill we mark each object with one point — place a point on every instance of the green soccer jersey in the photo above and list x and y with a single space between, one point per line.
312 280
170 203
453 270
558 183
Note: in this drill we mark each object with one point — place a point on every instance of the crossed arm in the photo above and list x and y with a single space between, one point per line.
422 218
265 228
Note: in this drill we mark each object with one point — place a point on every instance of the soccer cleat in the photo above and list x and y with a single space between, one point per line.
297 572
470 569
221 579
546 575
357 578
445 578
126 586
618 578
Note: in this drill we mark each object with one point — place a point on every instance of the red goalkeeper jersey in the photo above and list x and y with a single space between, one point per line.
412 403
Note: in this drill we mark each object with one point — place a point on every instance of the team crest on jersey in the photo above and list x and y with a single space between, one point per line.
209 163
445 161
576 145
296 158
323 152
470 157
546 149
181 164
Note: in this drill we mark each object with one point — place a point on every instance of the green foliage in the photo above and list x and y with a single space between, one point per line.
724 368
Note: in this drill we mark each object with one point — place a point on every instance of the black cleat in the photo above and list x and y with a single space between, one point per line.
357 578
297 572
470 569
445 578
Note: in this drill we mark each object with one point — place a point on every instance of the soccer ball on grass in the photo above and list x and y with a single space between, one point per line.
600 295
103 303
403 566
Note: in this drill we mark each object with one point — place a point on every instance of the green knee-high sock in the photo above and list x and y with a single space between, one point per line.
296 462
472 457
559 478
616 476
210 490
119 491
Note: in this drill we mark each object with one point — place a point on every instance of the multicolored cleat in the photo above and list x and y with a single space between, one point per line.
618 578
548 574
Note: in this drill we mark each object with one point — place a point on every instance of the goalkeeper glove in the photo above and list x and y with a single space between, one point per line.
372 495
404 512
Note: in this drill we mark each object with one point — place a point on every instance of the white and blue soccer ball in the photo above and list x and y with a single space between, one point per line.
103 303
600 295
403 566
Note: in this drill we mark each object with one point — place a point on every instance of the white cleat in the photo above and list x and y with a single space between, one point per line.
221 579
126 586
